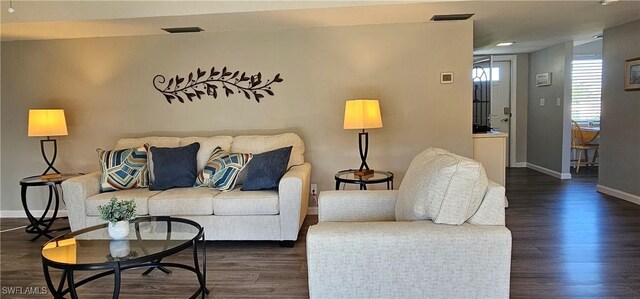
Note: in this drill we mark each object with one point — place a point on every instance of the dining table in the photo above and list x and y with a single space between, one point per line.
590 134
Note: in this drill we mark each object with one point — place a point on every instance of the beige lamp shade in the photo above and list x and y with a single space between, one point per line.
47 122
362 114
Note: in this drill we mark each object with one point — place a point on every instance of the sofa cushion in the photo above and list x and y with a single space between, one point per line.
441 186
239 203
182 201
154 141
123 169
207 145
139 196
491 209
266 169
174 166
257 144
222 170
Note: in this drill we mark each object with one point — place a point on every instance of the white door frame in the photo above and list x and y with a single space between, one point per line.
513 100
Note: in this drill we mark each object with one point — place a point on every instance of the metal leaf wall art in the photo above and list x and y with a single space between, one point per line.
197 84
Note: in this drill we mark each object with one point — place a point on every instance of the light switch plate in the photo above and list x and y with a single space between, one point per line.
558 102
541 102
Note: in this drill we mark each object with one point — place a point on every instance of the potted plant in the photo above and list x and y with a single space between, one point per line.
118 213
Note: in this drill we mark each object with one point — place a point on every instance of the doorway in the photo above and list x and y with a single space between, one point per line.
500 117
501 71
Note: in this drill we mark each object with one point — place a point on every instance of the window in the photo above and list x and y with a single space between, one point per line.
478 76
585 93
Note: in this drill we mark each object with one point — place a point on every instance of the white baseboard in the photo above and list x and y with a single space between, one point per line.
312 211
547 171
35 213
519 165
619 194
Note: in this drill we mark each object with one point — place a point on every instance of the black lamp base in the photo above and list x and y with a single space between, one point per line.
45 175
363 147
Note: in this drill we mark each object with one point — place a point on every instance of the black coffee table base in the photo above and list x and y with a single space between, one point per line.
151 262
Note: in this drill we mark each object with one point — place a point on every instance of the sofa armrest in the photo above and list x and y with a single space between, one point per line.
378 205
417 259
76 191
491 209
293 193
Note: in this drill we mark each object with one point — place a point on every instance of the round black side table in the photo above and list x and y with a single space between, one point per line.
348 177
42 226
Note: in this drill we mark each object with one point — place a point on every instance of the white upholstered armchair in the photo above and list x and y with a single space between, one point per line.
359 250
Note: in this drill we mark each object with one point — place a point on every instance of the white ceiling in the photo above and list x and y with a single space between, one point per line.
532 25
57 10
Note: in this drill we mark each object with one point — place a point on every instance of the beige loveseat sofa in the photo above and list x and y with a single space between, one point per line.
360 249
234 215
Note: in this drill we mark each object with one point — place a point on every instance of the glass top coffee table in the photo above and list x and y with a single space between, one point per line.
150 240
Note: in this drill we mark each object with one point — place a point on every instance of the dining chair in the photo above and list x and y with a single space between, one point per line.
579 145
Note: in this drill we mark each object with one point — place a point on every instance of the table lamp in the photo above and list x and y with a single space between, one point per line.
47 123
362 114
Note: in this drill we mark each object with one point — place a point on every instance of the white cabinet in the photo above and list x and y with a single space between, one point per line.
490 149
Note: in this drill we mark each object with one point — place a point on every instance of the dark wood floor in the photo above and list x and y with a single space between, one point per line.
568 241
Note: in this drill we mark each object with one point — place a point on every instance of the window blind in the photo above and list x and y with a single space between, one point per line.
586 88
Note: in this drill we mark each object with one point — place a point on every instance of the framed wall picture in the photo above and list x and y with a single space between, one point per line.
632 74
543 79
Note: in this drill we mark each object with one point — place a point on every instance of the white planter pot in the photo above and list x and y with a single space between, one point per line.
119 248
119 231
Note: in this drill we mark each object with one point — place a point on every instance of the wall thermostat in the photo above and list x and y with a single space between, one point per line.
446 78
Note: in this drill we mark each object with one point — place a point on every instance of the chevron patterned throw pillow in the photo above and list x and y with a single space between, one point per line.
123 169
222 170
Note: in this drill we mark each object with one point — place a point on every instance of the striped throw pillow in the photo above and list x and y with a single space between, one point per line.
123 169
222 170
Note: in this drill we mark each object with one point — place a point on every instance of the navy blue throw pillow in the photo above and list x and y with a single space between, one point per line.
174 166
265 170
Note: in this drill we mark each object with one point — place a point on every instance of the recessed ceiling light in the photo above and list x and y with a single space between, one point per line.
607 2
505 44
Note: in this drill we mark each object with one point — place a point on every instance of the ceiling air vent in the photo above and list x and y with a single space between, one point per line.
183 29
453 17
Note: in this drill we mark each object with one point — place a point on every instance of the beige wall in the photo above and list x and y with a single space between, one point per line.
548 135
620 119
105 87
